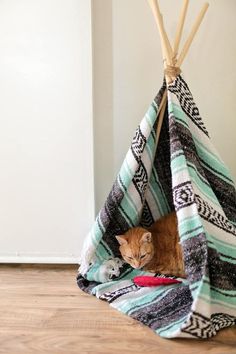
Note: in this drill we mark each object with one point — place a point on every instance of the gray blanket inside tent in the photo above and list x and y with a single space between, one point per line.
185 174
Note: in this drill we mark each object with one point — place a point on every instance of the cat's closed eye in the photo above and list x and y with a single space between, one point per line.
143 255
128 257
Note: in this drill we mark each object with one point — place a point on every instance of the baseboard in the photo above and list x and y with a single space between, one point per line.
39 259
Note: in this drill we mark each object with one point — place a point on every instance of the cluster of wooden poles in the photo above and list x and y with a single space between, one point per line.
171 58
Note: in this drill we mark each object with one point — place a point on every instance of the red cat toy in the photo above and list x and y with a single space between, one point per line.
145 280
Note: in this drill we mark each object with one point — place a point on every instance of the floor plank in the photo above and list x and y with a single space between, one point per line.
43 311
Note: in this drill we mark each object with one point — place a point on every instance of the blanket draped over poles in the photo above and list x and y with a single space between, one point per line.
184 174
171 165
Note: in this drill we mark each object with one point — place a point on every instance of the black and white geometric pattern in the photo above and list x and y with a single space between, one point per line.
204 327
182 92
138 144
222 320
140 180
147 218
180 169
112 296
183 195
213 216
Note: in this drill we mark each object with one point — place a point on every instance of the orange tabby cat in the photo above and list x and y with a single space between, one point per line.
155 249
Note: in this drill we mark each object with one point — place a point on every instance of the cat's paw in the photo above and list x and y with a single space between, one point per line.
151 270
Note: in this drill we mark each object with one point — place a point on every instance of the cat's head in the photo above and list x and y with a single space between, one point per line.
136 247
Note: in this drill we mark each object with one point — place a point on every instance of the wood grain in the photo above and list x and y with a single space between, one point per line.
43 311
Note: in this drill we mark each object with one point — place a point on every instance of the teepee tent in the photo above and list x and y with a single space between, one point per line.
171 165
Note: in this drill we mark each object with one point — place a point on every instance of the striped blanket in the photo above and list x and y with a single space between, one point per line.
185 174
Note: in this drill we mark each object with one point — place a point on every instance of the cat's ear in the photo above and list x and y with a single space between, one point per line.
147 237
121 239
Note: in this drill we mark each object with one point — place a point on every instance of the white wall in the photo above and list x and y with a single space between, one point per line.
46 145
133 68
46 142
102 98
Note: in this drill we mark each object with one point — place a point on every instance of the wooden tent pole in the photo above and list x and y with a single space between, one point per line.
166 47
192 35
169 55
180 28
160 115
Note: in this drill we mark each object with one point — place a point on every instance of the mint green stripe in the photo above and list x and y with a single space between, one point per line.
130 203
188 225
212 301
216 173
224 245
211 292
158 204
96 235
173 327
127 215
151 147
151 115
178 113
102 253
135 304
213 160
208 156
203 187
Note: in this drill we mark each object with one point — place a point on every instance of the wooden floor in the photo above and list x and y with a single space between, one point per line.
43 311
